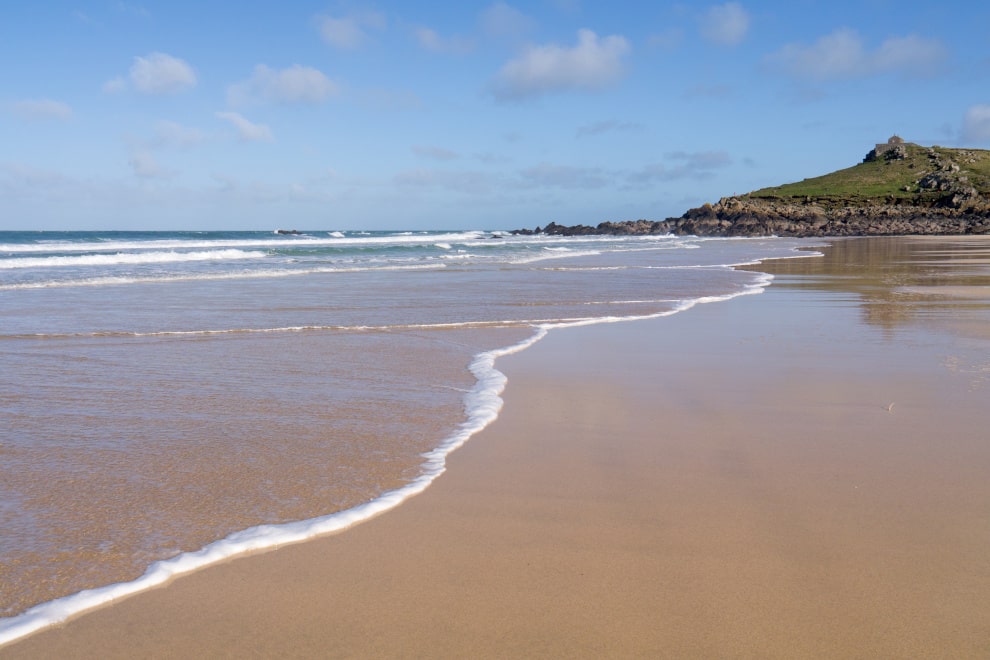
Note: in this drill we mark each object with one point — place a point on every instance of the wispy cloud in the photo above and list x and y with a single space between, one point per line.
707 91
134 10
295 84
668 39
976 124
434 153
247 131
19 178
503 21
726 24
349 32
144 165
679 165
83 17
430 40
594 63
157 73
843 54
40 109
174 135
548 175
608 126
464 182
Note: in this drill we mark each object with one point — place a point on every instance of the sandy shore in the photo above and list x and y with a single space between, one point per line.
803 473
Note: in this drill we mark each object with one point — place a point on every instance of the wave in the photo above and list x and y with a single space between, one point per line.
128 258
241 275
454 325
554 253
483 403
269 241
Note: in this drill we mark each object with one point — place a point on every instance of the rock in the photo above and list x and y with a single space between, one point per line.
944 199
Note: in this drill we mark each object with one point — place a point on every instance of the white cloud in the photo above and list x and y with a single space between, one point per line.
349 32
976 124
144 165
726 24
435 153
501 20
172 134
695 165
466 182
567 6
607 126
115 85
701 160
248 131
669 39
564 176
159 73
912 54
295 84
40 109
590 65
842 54
431 41
18 177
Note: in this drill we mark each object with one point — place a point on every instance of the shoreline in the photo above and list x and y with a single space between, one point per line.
549 551
482 406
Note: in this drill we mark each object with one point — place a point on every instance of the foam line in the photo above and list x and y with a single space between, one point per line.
129 258
482 404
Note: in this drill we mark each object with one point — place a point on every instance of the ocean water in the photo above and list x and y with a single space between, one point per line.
168 399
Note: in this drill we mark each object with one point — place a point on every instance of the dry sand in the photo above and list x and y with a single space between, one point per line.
730 482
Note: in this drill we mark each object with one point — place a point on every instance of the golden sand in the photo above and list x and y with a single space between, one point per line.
802 473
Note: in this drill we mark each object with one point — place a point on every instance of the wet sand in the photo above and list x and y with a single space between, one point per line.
802 473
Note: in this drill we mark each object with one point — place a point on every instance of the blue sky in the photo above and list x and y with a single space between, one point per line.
387 115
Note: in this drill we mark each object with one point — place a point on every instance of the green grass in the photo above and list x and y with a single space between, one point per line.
887 178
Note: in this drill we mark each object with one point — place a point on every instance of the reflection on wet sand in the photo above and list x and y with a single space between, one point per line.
899 281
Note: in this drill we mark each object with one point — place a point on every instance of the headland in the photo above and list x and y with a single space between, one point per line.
900 188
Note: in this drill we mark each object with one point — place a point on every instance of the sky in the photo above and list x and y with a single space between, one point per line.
209 115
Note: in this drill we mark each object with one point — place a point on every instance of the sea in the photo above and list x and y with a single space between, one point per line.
172 399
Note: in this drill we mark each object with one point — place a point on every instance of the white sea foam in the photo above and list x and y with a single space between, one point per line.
553 253
483 403
122 258
402 238
242 275
482 406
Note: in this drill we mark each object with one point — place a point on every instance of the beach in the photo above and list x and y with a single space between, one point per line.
800 473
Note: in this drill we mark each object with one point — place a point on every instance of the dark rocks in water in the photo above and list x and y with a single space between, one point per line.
954 213
956 210
288 232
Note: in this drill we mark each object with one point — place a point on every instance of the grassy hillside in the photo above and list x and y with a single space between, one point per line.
897 178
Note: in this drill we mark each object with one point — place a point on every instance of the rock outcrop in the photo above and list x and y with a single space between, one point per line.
924 191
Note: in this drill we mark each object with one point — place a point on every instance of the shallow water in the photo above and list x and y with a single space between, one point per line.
161 391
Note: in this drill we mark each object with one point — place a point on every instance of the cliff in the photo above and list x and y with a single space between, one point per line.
907 189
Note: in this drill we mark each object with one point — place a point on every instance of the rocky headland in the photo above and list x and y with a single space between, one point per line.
899 189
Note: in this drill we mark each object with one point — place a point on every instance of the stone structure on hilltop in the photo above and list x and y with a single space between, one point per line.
894 148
